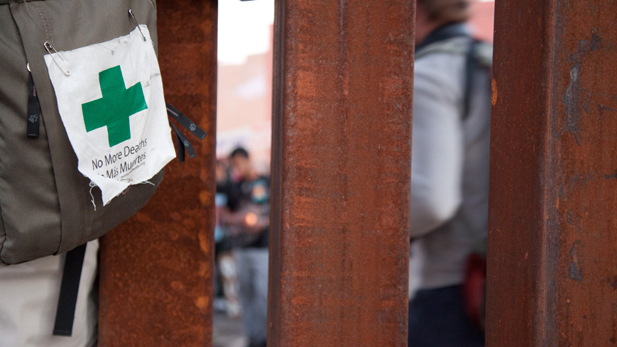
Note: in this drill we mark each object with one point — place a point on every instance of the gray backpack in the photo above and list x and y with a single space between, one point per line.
46 204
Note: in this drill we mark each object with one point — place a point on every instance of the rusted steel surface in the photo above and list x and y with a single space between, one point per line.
341 173
552 259
156 268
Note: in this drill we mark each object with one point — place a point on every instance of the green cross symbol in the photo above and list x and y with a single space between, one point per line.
115 107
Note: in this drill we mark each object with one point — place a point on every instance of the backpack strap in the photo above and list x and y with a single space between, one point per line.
71 276
470 67
444 33
182 142
477 55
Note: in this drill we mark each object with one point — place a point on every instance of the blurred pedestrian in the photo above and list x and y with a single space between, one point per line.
249 203
225 265
449 184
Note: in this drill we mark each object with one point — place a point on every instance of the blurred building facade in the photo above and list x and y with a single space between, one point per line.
244 109
245 96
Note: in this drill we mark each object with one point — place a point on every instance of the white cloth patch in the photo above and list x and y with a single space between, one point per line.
112 105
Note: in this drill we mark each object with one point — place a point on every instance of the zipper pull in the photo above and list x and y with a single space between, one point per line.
34 108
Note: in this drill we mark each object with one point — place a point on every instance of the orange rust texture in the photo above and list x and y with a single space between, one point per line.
552 260
156 268
341 173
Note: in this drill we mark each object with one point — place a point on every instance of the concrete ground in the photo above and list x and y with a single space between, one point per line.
227 332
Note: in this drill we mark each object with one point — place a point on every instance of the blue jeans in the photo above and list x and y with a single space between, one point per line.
252 264
437 318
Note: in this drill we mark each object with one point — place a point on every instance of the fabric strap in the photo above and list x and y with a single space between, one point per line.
450 31
34 110
443 33
186 122
470 67
69 289
182 142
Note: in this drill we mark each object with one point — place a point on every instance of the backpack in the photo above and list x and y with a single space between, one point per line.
47 205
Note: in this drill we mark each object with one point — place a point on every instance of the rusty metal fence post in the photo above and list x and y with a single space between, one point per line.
552 259
156 268
341 173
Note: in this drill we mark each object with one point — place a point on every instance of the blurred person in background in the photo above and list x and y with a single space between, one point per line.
449 183
226 282
248 221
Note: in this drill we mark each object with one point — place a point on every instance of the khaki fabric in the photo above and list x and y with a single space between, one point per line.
29 297
45 203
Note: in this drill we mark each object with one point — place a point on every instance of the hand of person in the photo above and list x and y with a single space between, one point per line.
250 219
255 222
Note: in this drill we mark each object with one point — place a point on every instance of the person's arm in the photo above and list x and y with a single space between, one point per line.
437 150
246 220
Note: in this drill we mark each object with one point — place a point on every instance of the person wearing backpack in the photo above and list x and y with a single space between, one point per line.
449 182
85 133
49 210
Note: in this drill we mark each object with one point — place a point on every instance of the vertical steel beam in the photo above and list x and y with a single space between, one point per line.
156 268
341 173
552 259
